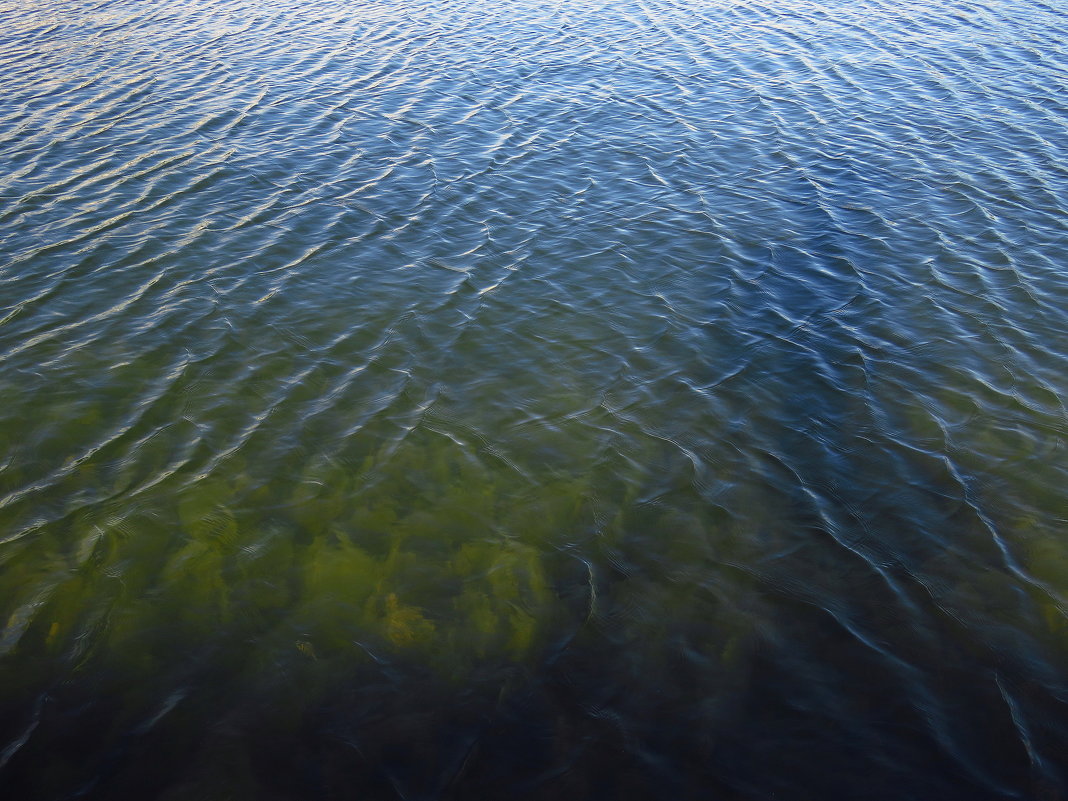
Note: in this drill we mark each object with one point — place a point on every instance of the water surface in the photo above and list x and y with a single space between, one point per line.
456 400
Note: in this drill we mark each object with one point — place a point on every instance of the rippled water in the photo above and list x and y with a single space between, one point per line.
458 400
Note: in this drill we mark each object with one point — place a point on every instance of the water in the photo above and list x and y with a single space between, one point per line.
465 400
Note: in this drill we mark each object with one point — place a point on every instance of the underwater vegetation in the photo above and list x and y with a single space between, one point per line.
517 400
422 571
427 619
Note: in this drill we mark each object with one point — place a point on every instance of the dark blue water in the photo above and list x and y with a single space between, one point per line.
454 400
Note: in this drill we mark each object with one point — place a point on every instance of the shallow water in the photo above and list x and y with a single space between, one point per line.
464 400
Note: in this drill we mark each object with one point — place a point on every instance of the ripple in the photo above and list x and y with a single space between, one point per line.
648 398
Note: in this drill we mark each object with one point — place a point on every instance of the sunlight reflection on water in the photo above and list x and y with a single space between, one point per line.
449 400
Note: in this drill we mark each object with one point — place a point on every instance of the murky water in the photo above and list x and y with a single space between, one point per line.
456 400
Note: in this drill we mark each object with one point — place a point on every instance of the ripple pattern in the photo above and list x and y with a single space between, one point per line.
447 400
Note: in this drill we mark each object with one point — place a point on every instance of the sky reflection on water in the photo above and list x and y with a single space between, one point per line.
447 400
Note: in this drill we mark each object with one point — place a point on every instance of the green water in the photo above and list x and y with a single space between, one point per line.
475 401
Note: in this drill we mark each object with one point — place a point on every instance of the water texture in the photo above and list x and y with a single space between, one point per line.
513 400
